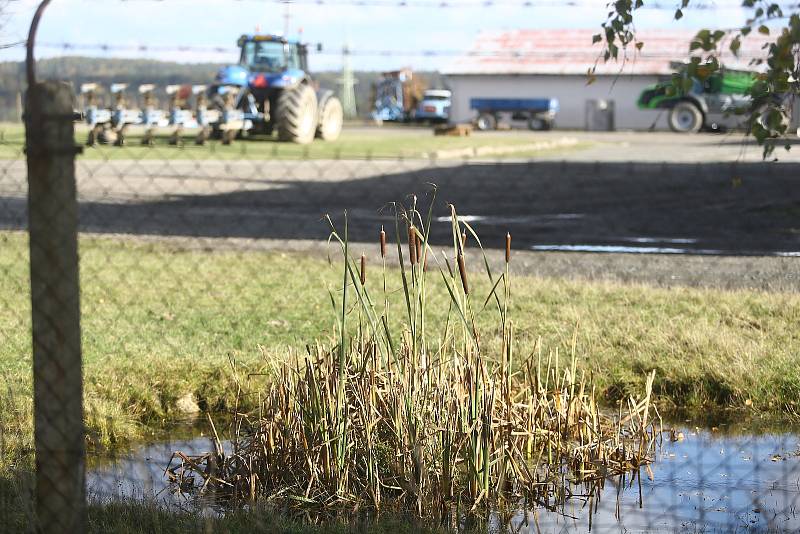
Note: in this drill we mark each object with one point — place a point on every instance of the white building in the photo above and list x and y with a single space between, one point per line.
555 63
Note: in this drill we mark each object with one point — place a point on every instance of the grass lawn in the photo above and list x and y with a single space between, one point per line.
358 143
159 323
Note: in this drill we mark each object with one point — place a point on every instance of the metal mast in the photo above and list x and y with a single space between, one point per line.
347 92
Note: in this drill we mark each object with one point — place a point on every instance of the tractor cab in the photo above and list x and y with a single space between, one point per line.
266 62
271 53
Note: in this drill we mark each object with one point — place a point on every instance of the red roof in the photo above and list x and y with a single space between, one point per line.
572 52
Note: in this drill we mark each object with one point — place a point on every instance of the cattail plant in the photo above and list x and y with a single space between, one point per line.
441 427
462 271
506 286
385 316
507 331
412 245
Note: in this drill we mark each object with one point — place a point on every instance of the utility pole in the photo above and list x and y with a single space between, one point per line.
348 85
20 76
287 17
18 117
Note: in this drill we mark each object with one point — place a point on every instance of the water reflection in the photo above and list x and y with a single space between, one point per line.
140 474
623 249
707 482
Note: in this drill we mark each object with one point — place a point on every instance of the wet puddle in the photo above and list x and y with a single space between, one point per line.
139 473
625 249
609 244
632 249
494 220
705 482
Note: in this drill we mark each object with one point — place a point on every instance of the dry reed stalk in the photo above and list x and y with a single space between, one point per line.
412 245
418 245
399 442
441 425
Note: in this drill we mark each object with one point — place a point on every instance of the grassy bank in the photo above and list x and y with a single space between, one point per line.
160 323
136 517
356 143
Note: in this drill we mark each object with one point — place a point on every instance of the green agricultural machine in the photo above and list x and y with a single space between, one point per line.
714 103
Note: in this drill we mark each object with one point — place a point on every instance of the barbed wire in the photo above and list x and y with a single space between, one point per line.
510 54
4 46
445 4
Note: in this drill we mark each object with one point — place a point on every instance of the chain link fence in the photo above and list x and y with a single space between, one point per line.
202 266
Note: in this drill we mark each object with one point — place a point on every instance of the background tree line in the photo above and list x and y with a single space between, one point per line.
105 71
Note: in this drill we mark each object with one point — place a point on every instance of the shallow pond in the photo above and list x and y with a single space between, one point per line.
709 481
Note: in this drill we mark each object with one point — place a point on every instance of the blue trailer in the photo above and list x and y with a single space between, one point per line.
539 113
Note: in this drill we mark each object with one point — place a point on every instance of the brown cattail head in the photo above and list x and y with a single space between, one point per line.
412 245
383 243
462 270
508 247
363 269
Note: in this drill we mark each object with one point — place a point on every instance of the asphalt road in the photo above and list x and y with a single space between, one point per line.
623 146
636 193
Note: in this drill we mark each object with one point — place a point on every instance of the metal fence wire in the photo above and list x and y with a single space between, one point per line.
149 293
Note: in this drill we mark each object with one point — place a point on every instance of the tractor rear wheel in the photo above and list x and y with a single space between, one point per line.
296 116
331 117
685 117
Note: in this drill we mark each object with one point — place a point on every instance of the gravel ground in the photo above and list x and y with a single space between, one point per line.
676 210
760 273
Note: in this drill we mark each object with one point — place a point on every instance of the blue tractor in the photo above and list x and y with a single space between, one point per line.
270 90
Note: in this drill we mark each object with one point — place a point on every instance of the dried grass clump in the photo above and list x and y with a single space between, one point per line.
394 420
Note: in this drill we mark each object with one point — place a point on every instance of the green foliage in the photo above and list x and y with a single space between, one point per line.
779 80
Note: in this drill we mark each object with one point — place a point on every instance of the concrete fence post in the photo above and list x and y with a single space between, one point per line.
57 369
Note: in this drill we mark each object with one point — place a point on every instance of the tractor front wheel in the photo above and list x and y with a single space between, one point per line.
296 116
331 117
